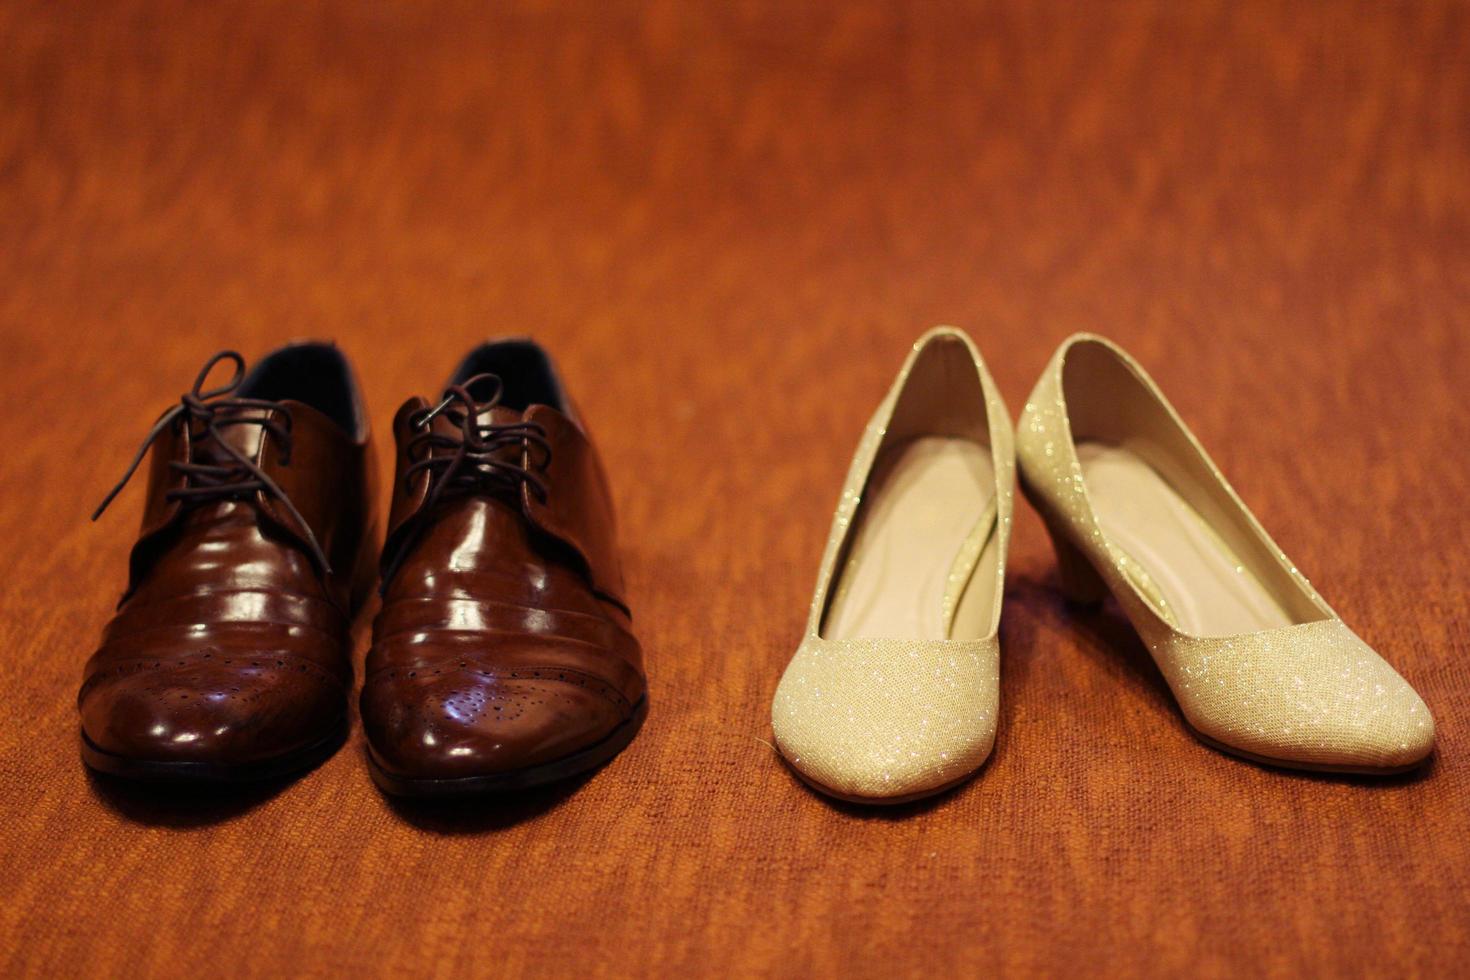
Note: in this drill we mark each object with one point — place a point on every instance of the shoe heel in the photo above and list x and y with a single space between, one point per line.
1079 580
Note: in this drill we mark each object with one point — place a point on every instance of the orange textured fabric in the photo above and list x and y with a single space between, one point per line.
728 223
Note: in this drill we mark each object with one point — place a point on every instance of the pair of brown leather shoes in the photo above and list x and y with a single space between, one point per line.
503 655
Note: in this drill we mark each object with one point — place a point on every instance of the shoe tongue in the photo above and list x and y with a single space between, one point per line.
243 438
499 415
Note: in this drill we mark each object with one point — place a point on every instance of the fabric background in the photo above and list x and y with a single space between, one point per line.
728 223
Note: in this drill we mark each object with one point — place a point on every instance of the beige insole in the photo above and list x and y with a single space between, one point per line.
927 519
1186 567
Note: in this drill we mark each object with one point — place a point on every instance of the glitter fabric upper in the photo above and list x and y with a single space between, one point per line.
889 718
1310 694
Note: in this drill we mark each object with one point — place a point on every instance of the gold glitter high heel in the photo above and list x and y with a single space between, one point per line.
893 693
1260 664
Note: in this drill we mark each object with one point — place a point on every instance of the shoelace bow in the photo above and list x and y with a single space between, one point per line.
208 481
475 462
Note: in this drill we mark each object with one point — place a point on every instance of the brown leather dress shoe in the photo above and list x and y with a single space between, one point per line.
229 657
503 656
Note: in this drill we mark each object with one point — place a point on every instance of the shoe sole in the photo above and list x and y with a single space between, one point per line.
493 784
1265 760
881 800
187 771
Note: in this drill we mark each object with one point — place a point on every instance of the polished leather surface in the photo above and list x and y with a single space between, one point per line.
503 642
231 646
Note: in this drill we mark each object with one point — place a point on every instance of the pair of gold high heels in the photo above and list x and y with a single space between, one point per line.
894 692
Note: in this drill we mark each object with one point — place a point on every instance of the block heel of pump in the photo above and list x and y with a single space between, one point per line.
1078 580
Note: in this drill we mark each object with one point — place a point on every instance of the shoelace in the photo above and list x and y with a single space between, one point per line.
474 464
208 481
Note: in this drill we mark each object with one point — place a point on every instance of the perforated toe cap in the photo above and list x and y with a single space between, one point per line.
199 707
445 723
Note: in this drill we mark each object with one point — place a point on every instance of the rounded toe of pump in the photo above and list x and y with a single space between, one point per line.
1312 696
868 721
